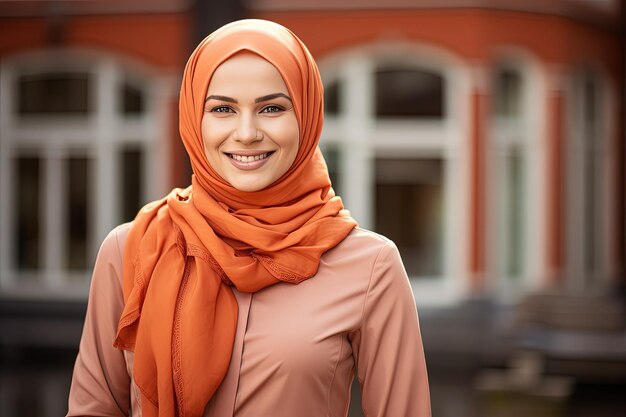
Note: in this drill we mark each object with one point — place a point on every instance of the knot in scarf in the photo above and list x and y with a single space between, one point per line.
185 252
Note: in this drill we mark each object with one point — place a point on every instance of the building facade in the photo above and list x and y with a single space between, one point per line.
486 141
485 138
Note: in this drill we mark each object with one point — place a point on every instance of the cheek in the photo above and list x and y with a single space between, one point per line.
212 136
206 137
290 137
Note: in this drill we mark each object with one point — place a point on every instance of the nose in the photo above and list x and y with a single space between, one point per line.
246 131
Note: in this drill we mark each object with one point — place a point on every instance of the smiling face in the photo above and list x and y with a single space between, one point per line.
249 128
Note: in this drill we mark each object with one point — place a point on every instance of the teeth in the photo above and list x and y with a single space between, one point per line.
248 159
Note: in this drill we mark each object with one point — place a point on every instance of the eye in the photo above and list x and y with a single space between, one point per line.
272 109
221 109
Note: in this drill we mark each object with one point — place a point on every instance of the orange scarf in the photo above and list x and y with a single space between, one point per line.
184 252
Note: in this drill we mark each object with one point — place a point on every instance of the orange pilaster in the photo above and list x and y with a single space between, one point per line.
477 194
555 232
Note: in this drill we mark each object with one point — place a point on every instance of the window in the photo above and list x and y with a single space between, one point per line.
130 160
409 93
509 179
588 181
77 179
51 206
132 100
27 174
54 93
70 179
514 201
331 98
409 210
331 156
508 90
590 131
396 154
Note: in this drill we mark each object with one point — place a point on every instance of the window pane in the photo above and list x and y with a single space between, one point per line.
508 91
54 93
592 193
26 208
409 93
588 102
132 100
331 155
131 180
77 212
409 210
515 219
589 105
331 98
592 198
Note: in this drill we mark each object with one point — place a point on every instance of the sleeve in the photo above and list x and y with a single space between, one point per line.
100 382
388 349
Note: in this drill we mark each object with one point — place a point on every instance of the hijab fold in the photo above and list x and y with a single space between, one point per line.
185 252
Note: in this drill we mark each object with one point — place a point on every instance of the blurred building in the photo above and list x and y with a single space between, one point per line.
486 138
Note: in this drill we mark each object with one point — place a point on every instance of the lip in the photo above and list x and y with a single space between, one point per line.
248 166
248 152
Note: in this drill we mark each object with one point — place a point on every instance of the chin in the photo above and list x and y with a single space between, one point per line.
249 187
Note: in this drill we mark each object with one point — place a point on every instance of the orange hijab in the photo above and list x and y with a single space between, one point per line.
184 252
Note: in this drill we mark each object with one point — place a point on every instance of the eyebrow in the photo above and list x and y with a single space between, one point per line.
256 100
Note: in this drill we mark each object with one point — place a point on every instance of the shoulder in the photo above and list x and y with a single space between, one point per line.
376 254
362 250
388 284
112 247
369 237
107 272
366 242
118 235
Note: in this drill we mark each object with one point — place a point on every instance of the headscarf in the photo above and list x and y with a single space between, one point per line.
184 252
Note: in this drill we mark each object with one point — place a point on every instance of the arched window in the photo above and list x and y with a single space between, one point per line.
510 153
394 141
75 136
409 92
588 179
54 93
409 191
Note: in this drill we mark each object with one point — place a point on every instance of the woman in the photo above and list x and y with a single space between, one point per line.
194 308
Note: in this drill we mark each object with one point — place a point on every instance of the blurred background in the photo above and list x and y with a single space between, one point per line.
486 138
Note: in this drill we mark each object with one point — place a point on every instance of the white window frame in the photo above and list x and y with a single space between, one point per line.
576 167
528 135
361 138
99 136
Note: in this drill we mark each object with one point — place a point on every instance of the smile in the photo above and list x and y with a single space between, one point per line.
249 158
249 162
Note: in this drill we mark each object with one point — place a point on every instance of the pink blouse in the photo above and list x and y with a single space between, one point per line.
297 347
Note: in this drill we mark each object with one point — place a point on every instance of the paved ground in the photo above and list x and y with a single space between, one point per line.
459 344
36 383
